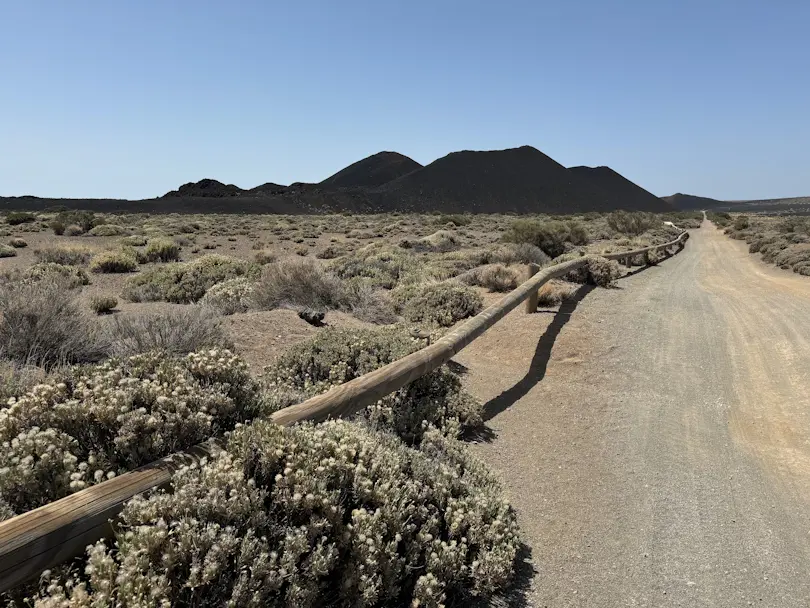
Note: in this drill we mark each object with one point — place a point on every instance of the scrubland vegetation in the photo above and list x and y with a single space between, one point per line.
783 240
117 347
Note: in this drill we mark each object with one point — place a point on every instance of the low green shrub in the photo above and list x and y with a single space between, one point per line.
6 251
83 220
70 255
187 282
103 304
517 253
135 240
637 222
741 222
107 230
380 264
160 250
15 218
114 262
720 218
308 516
437 303
335 356
550 236
107 419
455 219
438 242
69 277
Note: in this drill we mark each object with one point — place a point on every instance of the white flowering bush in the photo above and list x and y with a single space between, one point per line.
110 418
305 516
335 356
230 297
437 303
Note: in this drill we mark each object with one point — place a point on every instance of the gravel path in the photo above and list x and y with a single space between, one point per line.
663 460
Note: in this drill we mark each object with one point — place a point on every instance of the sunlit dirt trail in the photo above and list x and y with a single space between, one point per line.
655 438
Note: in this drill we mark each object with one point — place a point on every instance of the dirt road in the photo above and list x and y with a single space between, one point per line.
655 438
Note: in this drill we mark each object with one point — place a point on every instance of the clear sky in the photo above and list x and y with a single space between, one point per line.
130 99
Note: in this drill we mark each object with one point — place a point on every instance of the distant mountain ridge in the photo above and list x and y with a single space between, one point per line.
514 180
690 201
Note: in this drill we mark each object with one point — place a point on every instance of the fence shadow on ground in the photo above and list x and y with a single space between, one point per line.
542 353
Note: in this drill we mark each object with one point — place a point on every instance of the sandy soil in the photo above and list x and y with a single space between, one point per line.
664 458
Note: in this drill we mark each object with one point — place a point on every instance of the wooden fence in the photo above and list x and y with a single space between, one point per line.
53 533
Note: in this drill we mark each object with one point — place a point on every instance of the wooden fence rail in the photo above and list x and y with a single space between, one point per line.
44 537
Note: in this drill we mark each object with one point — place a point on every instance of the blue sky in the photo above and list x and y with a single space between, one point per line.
130 99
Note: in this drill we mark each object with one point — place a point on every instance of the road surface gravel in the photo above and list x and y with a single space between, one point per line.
655 438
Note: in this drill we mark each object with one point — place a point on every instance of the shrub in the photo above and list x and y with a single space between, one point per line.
7 252
229 297
554 293
18 243
68 277
111 418
518 253
103 304
71 255
440 303
58 227
380 264
294 283
793 257
114 261
160 250
494 277
307 516
16 218
183 283
631 222
331 252
335 356
107 230
602 272
176 331
135 240
577 233
74 230
455 219
548 236
439 241
741 222
16 379
41 323
720 218
83 220
265 257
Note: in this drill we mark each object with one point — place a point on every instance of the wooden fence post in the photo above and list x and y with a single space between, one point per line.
531 301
